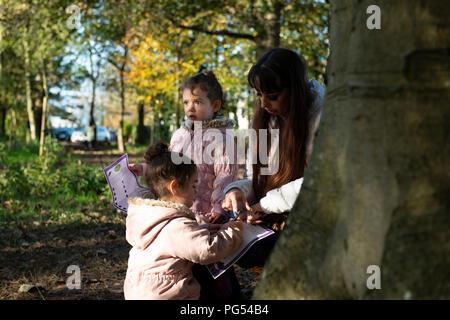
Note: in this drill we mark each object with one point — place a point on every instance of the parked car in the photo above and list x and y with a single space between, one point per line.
63 134
113 135
60 134
103 134
78 136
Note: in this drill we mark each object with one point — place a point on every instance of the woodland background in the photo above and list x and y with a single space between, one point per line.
117 64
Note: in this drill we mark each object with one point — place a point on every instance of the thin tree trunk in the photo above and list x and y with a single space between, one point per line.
44 108
37 104
12 128
141 133
177 92
92 110
2 90
30 112
94 76
120 143
152 125
376 190
2 122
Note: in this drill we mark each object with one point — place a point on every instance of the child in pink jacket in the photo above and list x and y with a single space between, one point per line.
165 236
216 162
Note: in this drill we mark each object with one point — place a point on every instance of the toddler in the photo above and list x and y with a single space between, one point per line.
166 238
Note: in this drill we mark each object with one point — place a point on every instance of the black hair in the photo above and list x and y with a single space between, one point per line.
162 169
207 81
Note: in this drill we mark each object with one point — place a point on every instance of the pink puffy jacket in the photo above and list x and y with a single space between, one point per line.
217 167
166 242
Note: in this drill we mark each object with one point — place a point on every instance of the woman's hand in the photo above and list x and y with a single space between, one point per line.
255 214
233 198
136 168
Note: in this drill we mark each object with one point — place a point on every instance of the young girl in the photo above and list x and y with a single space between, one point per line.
165 236
202 99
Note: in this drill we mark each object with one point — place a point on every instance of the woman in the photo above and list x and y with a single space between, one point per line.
286 101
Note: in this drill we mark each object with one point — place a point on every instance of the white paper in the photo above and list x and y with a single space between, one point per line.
123 183
250 234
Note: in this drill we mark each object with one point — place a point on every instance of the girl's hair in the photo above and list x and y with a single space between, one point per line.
276 70
162 169
208 82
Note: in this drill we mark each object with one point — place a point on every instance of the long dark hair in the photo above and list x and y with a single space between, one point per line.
277 69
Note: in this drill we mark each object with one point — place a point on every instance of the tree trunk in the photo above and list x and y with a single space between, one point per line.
2 90
120 143
267 23
44 108
92 111
94 77
178 116
37 105
376 191
12 128
2 122
141 133
31 121
152 124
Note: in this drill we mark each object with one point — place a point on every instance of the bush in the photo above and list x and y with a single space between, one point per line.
24 176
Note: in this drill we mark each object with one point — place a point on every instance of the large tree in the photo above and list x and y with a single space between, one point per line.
377 188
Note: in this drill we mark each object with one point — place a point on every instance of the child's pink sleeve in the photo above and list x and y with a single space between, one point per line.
178 140
186 240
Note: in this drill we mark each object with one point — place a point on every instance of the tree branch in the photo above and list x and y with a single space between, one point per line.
216 32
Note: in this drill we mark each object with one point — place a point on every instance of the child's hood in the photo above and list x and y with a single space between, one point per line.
147 217
219 122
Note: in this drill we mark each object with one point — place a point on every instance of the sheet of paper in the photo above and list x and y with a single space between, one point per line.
123 183
251 234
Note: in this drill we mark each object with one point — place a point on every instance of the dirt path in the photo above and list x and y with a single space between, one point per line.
40 255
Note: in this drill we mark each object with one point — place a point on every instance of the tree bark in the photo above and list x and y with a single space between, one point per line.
376 191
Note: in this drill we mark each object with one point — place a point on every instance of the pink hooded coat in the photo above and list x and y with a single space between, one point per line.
216 163
166 242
